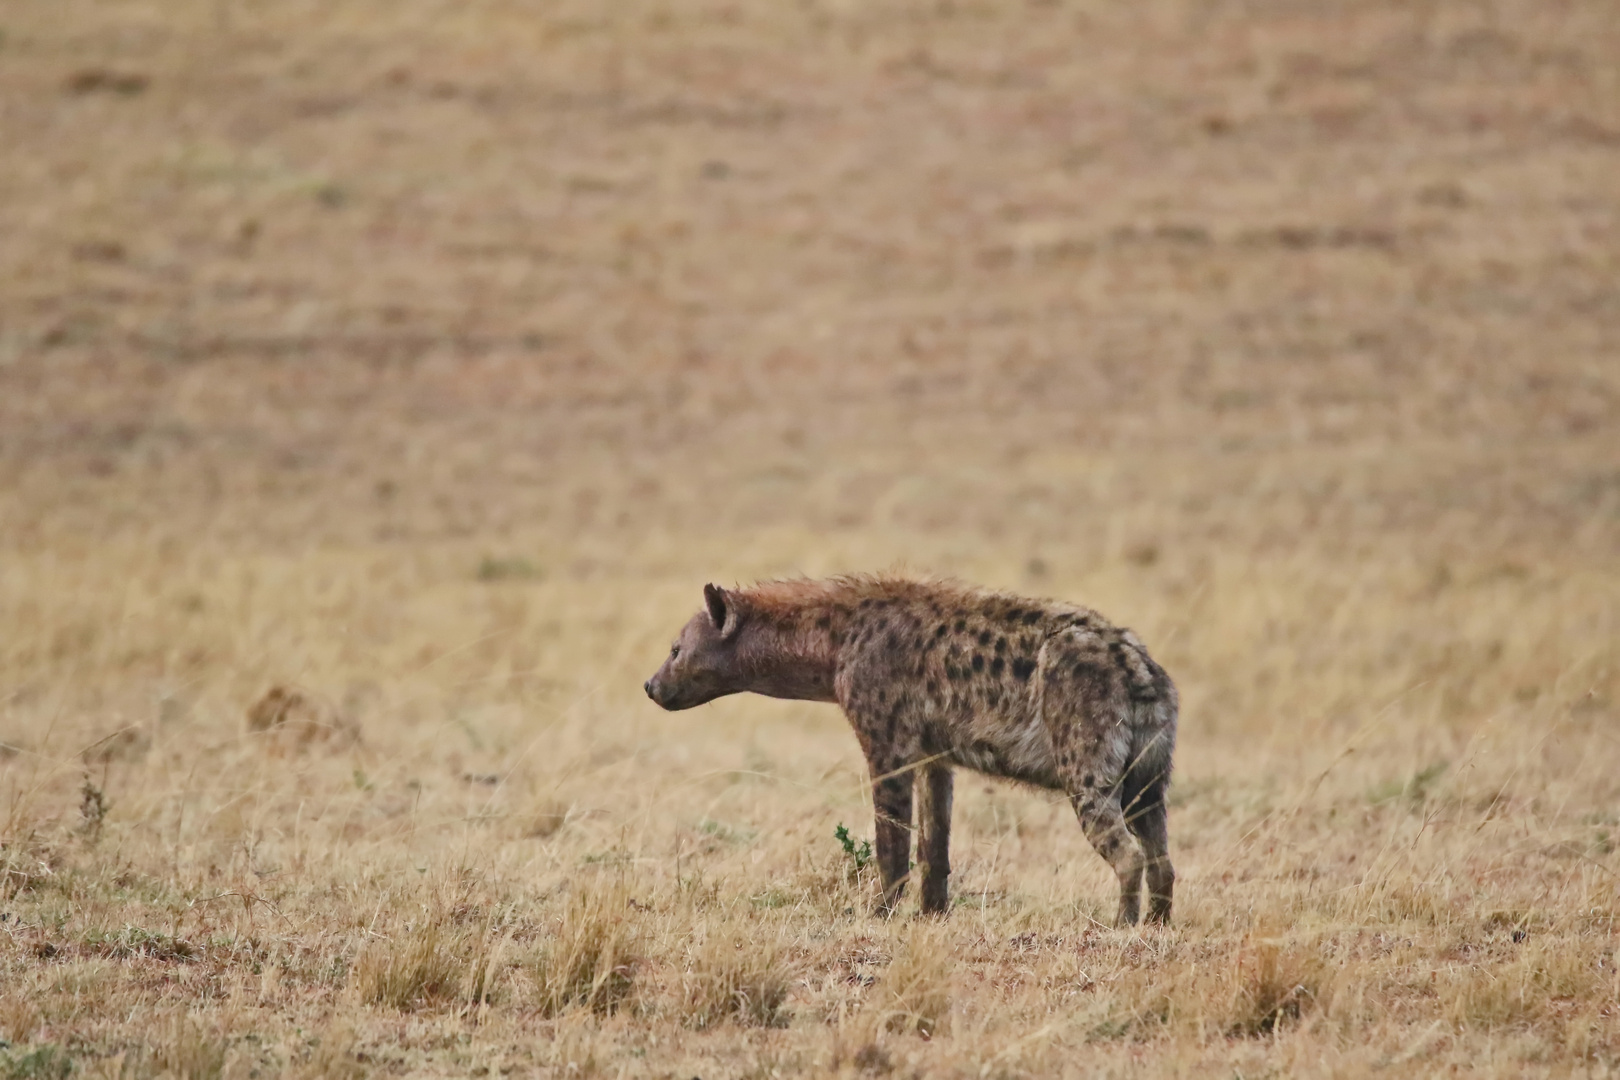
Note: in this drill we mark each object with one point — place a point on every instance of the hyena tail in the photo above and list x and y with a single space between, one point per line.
1153 744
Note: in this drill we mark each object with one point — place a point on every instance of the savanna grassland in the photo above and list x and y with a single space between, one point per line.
381 381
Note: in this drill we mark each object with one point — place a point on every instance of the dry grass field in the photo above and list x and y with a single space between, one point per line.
381 380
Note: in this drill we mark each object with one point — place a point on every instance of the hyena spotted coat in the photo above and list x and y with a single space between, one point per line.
935 674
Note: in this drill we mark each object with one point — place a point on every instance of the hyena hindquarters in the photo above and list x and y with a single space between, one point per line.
1110 712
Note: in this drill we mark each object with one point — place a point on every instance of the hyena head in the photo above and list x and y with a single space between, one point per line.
703 663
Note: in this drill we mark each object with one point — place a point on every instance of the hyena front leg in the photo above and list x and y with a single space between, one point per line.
934 835
891 803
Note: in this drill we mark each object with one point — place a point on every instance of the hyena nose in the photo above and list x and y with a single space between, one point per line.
647 686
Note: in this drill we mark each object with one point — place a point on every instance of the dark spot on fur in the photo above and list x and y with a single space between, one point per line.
984 637
932 687
1023 668
824 622
1090 780
866 602
1015 614
961 624
996 666
978 662
941 630
993 696
1001 645
1031 618
837 639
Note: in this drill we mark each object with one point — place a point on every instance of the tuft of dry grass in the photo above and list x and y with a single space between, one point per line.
543 819
1275 983
429 962
188 1050
735 974
333 1055
24 865
419 968
19 1019
1546 984
588 959
913 995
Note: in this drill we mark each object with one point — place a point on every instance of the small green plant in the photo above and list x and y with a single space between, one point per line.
860 854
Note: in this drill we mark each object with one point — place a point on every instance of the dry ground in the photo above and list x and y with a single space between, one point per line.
425 358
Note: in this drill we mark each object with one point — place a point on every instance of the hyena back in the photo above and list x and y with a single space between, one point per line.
933 675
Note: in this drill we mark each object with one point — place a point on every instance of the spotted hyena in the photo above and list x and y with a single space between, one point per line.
933 675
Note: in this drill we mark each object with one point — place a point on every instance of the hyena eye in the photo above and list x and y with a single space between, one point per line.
674 651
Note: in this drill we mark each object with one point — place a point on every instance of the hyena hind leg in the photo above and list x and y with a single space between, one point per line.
1103 821
934 836
1148 821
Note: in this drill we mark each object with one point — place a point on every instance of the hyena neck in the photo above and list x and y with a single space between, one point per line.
790 643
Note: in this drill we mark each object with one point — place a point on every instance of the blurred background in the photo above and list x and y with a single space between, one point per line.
1190 310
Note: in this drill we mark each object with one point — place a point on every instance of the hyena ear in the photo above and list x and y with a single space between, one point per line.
722 610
